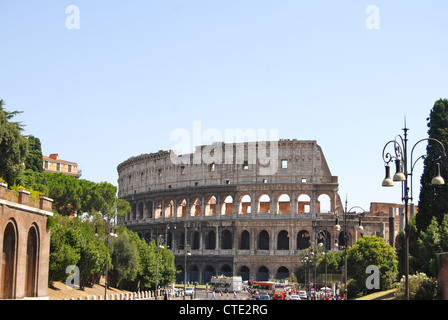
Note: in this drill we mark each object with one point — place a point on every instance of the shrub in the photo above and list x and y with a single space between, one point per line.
421 287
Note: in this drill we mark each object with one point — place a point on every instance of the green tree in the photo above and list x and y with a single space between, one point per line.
13 146
65 244
370 250
65 192
434 199
33 160
124 257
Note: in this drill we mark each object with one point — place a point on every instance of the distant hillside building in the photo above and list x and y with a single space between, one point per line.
54 164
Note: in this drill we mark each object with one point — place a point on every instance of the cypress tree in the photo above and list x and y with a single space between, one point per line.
434 199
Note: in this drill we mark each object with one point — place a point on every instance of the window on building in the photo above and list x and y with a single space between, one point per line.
284 164
182 170
245 165
58 167
69 168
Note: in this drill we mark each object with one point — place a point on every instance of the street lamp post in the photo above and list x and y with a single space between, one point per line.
159 244
400 157
187 252
108 234
322 240
337 227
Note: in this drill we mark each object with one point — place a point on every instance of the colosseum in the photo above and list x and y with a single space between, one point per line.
239 208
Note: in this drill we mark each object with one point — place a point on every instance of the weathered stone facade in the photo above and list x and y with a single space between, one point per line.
25 245
244 209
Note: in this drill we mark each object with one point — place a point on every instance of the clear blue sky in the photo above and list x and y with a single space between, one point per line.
135 71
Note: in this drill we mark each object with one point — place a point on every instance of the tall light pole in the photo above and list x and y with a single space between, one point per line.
108 234
159 244
337 228
403 172
187 252
322 241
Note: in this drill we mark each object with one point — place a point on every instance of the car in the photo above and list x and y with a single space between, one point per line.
189 291
302 295
295 297
278 296
264 297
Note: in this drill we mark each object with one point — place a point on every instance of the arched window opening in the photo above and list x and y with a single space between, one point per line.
227 206
282 273
196 207
245 240
195 241
263 240
263 274
210 208
304 204
283 240
284 204
226 240
245 204
210 240
303 240
324 203
32 255
264 203
8 267
182 208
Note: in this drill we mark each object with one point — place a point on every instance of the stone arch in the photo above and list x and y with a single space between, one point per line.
169 240
210 206
193 274
244 273
158 209
226 270
324 203
196 207
210 240
263 240
149 208
303 204
284 203
325 239
303 240
245 240
282 273
32 262
169 209
283 240
140 211
196 240
245 204
227 205
263 274
209 272
133 213
264 203
226 239
181 208
9 260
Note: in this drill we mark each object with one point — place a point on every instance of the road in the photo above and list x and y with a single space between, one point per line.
202 295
